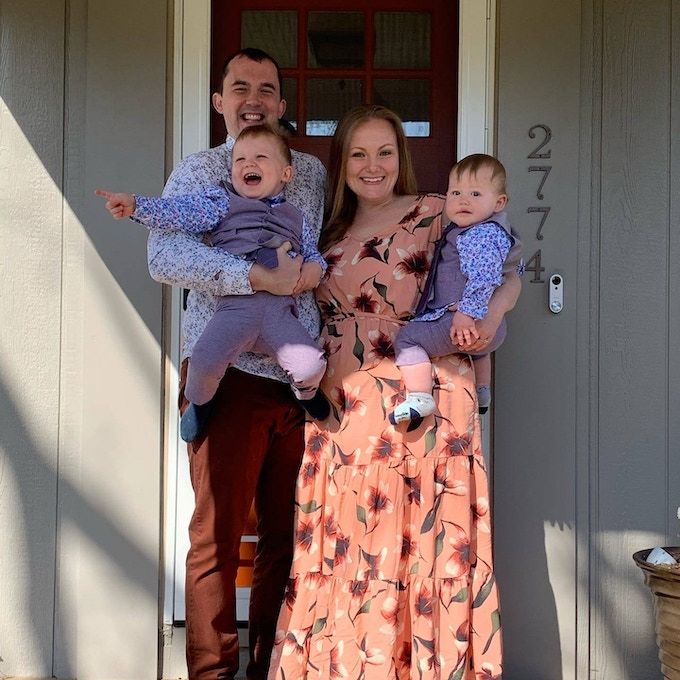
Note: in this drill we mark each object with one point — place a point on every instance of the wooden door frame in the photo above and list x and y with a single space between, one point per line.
189 111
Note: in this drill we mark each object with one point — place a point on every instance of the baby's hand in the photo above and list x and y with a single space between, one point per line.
119 205
463 329
310 275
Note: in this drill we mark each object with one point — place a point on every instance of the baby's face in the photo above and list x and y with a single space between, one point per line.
258 168
472 198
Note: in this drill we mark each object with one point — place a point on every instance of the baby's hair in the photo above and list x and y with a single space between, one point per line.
265 130
475 162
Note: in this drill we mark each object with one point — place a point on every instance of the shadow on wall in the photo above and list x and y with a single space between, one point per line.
76 112
528 585
25 465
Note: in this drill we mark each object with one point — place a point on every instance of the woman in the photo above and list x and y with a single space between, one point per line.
392 575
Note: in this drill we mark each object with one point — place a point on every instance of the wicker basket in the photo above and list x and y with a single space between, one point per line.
664 582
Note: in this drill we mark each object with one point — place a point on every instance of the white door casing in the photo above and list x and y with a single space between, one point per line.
191 118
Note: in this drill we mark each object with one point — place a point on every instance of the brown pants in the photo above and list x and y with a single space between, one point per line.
251 448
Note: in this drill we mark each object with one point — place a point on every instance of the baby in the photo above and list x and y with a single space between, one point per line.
473 253
253 220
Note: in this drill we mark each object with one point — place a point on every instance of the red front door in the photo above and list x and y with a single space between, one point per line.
402 54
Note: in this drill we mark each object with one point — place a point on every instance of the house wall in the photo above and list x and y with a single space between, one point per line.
586 433
586 430
82 105
635 432
534 461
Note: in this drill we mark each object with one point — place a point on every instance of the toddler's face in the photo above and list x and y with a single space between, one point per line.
258 168
472 198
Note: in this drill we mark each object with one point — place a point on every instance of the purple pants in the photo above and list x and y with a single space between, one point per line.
262 323
417 342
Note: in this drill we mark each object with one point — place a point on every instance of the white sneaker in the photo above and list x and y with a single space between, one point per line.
418 405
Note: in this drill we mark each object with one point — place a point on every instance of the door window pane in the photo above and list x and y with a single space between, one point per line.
272 31
290 90
335 40
327 100
402 40
410 99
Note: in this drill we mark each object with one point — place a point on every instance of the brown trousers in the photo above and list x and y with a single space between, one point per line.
251 449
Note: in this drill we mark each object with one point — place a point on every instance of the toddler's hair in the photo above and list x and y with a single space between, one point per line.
475 162
266 130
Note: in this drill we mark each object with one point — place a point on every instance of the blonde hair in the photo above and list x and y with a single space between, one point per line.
341 203
267 130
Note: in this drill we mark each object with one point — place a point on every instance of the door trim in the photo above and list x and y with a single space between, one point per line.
191 133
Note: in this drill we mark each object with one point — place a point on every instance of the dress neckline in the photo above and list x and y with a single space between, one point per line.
393 227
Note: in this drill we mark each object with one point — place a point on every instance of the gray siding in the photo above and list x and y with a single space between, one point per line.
636 440
32 93
586 430
83 105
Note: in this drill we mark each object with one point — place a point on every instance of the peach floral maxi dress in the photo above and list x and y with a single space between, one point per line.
392 576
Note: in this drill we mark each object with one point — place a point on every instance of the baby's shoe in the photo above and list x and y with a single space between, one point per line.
193 420
317 407
483 398
418 405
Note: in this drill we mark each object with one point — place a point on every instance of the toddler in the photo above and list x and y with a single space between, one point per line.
473 253
252 220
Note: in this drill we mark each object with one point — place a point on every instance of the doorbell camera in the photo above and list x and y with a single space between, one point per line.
555 293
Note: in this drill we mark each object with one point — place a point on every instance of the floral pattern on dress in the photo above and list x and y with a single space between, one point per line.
392 576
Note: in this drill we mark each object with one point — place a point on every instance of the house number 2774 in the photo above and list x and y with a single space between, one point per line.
540 154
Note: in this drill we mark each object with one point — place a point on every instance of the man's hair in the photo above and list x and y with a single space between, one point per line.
266 130
254 54
475 162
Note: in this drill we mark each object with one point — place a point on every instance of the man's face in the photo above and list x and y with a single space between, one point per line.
250 95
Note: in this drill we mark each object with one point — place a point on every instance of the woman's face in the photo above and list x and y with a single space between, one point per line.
373 162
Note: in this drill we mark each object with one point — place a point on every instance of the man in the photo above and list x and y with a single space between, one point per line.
252 445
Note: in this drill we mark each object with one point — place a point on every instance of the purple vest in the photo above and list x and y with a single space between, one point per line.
446 282
255 228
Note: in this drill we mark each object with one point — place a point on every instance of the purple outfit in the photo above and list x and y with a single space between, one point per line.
468 265
261 322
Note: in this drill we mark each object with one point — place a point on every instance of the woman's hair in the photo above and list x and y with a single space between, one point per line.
341 202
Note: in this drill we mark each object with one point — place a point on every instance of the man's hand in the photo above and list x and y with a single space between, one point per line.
279 281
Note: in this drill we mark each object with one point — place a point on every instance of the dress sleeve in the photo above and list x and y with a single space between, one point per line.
482 252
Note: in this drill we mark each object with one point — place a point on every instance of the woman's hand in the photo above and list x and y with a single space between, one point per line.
463 330
486 330
503 300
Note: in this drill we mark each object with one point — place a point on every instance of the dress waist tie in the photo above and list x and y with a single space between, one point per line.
339 318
